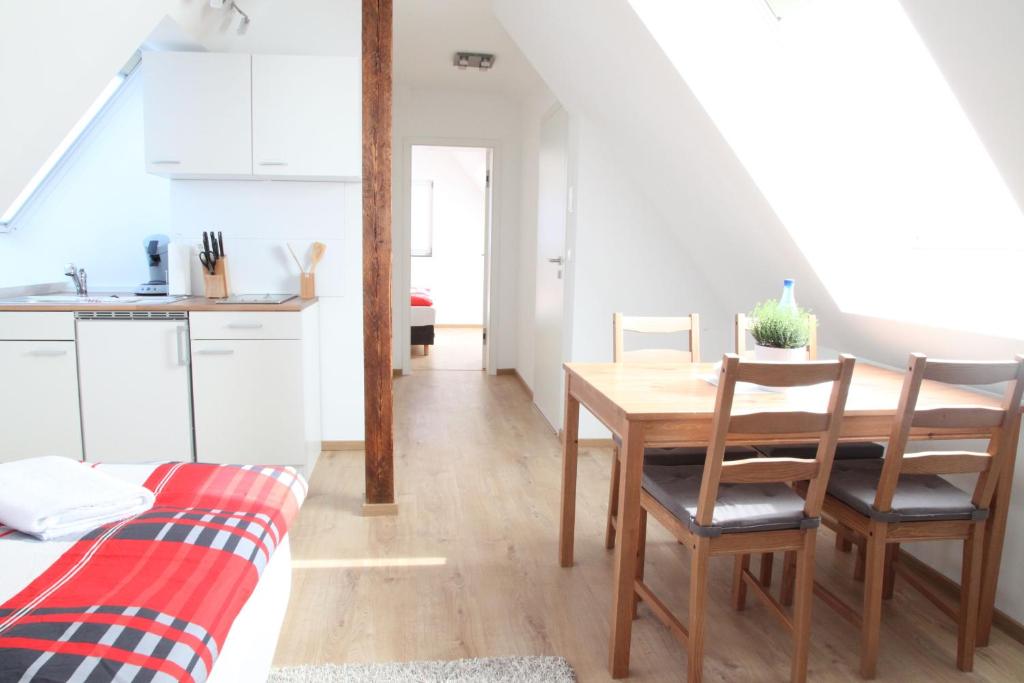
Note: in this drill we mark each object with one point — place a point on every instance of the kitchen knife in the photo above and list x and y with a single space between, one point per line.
216 249
206 242
220 243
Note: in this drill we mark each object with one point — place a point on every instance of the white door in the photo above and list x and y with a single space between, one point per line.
198 113
39 402
306 116
552 209
134 380
249 401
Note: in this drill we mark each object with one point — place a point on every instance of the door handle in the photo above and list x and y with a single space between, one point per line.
215 352
165 161
557 260
47 352
273 163
181 336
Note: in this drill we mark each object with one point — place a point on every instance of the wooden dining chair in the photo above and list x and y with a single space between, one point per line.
690 325
904 499
746 506
844 451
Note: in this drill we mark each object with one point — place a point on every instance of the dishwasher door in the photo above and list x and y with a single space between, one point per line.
135 388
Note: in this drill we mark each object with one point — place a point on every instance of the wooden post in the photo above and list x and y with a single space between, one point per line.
377 377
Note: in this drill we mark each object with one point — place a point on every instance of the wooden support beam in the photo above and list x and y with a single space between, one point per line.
377 371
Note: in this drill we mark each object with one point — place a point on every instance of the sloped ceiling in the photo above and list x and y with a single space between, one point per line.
607 66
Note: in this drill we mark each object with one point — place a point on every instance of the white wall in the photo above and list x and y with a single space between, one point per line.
478 119
56 57
454 272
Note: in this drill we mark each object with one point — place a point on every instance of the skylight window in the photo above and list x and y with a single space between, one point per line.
67 144
846 124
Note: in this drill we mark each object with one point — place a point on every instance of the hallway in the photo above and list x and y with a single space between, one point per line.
469 566
454 348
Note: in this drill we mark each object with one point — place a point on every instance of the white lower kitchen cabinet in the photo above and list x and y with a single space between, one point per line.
39 401
256 388
134 382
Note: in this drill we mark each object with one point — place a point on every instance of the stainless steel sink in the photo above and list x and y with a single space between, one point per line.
57 299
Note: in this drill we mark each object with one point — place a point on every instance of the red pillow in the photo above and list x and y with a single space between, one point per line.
421 300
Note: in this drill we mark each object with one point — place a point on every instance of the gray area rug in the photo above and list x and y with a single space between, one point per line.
489 670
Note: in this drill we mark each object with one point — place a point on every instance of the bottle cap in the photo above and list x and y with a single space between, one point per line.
787 282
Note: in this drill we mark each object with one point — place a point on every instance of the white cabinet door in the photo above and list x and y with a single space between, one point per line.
134 380
198 114
39 401
306 117
248 401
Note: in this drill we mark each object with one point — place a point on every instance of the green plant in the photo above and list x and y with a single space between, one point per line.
780 327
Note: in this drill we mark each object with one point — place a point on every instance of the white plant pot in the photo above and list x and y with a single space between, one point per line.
772 354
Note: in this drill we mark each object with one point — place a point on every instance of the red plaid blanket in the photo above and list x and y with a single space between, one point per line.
152 598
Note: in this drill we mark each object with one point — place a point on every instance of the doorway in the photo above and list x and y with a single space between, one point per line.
449 227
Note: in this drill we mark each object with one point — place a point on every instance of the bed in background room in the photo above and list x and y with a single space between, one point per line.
194 590
422 317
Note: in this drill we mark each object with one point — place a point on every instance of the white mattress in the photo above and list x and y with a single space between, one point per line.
422 315
249 647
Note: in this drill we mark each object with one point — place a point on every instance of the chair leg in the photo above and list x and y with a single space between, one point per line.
858 567
699 561
613 501
804 595
641 554
843 543
874 577
889 582
970 593
765 576
739 586
789 567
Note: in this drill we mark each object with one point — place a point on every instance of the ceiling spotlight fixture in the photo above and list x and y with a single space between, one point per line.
476 60
219 4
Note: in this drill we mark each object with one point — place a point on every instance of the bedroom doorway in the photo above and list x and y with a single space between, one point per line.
449 274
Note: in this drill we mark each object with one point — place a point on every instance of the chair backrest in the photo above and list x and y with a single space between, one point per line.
998 422
797 425
744 323
655 325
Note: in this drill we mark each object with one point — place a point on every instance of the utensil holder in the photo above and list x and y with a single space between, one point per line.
307 285
217 286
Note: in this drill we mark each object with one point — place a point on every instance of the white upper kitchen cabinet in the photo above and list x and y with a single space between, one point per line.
198 114
306 117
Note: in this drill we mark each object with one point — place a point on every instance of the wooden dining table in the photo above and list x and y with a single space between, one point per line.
672 404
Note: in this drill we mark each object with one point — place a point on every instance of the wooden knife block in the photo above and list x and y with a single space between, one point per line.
217 286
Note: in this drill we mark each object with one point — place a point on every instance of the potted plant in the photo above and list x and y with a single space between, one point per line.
781 331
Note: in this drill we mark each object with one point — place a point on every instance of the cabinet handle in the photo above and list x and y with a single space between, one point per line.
165 161
47 352
181 335
244 326
273 163
215 352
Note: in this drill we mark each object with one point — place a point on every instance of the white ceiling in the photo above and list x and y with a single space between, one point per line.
429 32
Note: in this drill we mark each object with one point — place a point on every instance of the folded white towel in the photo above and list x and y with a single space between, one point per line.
53 497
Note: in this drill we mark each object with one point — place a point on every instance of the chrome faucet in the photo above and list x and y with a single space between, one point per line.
79 277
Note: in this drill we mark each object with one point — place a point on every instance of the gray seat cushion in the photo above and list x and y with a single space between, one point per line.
688 455
845 451
919 497
739 508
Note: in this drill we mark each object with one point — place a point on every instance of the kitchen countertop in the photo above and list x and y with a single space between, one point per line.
190 304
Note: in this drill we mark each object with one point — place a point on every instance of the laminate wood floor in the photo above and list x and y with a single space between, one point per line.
469 566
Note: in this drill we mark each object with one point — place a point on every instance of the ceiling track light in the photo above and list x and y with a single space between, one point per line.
475 60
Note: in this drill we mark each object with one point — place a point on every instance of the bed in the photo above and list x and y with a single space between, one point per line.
421 319
194 590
